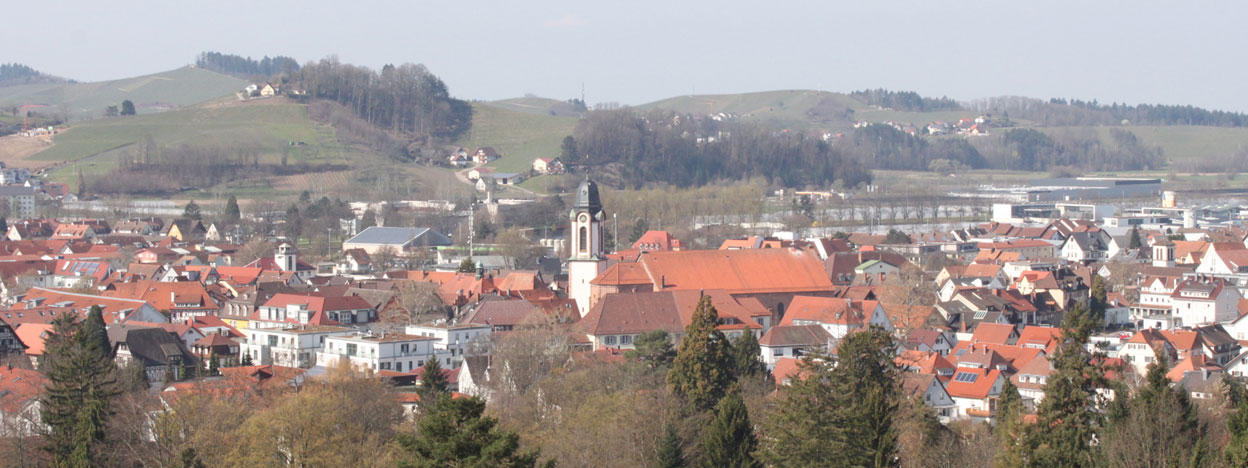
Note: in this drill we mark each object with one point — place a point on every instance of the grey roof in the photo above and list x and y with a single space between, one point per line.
400 236
16 191
587 197
504 175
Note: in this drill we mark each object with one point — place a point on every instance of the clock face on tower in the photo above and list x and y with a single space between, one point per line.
584 218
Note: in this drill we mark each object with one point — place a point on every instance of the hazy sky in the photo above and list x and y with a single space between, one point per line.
638 51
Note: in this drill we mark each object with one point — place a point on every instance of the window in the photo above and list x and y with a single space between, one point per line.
403 348
385 366
626 340
609 340
398 366
778 352
272 340
351 349
583 239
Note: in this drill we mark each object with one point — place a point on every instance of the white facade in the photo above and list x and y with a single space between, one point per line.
398 352
1194 308
586 260
455 340
290 347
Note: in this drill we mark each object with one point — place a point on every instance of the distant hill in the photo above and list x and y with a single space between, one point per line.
541 106
150 93
13 74
790 108
520 136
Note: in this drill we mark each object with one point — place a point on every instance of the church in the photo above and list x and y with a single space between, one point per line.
659 289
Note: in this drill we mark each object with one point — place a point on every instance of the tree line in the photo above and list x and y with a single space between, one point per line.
405 99
909 101
15 73
881 146
246 67
152 169
632 149
1058 112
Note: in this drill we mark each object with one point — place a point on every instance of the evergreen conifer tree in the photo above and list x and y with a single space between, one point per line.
81 387
748 355
729 441
1009 428
455 433
1135 242
671 455
433 383
842 409
653 349
191 211
1099 300
246 360
1068 419
704 368
1236 451
232 212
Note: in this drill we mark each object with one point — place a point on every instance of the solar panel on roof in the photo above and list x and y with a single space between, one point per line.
966 377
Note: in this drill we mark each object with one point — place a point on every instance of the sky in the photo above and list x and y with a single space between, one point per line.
637 51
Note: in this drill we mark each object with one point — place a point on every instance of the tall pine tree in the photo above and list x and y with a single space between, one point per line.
704 367
748 355
232 212
1161 427
1236 451
670 455
77 402
1068 419
456 434
843 410
1009 428
729 441
433 383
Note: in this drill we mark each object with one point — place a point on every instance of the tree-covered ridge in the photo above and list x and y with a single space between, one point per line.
665 147
1162 114
246 67
905 100
17 74
406 99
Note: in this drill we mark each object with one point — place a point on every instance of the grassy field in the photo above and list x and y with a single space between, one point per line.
95 146
519 136
1180 143
150 93
788 108
536 106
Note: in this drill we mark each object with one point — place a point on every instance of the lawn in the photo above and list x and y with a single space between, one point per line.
520 137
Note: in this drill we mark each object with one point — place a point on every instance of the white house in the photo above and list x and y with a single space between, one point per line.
1085 247
290 347
456 340
1198 302
837 316
398 352
975 391
927 387
792 341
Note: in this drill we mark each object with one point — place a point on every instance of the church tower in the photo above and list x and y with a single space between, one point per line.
284 257
586 258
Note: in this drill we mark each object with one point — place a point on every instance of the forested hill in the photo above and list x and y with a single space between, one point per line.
12 74
246 67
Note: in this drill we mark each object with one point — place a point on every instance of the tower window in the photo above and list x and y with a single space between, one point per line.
583 239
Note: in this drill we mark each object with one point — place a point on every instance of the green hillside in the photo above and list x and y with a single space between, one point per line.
792 108
1180 142
538 106
262 127
519 136
151 93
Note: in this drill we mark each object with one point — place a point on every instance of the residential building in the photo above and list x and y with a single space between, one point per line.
294 346
399 352
458 340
